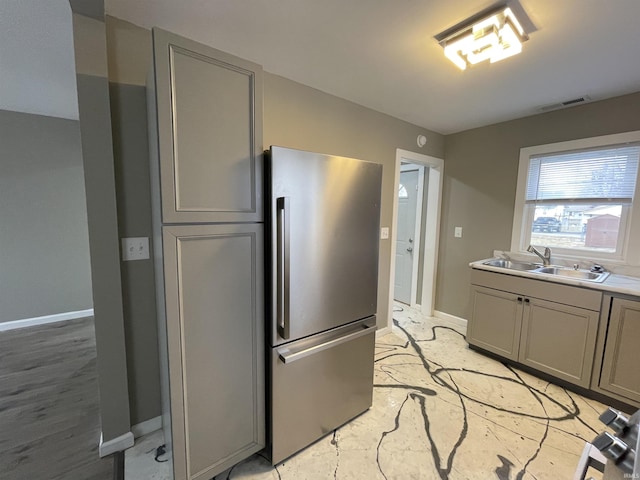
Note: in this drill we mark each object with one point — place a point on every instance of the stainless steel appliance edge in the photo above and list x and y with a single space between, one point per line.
323 222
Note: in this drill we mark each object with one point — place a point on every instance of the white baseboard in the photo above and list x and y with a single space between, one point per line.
33 322
117 444
381 332
146 427
450 318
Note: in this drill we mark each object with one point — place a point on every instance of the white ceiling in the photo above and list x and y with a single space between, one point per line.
378 53
381 53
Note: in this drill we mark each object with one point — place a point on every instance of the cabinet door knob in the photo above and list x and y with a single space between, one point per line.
520 299
526 300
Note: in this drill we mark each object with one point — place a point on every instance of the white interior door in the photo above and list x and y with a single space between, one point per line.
405 241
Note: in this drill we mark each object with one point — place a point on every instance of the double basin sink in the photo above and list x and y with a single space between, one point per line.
552 270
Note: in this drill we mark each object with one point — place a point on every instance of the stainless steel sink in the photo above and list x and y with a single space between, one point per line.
521 266
571 273
553 270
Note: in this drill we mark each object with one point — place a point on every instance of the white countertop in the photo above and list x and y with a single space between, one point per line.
615 283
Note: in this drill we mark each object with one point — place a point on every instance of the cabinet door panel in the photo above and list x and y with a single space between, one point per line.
496 321
559 340
209 110
215 321
620 369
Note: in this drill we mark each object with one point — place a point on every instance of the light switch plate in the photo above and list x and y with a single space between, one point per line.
457 232
384 233
135 248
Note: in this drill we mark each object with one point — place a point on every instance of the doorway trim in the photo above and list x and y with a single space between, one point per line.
433 203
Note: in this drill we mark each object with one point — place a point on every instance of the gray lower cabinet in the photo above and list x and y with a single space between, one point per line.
496 321
205 119
215 348
532 322
620 373
559 340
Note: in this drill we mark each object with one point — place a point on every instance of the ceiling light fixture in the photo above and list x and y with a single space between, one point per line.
493 36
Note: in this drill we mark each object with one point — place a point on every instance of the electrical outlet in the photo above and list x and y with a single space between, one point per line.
457 232
135 248
384 233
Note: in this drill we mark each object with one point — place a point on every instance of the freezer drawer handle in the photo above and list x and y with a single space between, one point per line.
287 357
283 212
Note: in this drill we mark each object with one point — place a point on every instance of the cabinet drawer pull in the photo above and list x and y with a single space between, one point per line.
288 357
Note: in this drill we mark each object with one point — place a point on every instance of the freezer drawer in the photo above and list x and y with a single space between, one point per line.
318 384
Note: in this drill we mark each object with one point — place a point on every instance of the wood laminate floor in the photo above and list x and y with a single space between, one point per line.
49 404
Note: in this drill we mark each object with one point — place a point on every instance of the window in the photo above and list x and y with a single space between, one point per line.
577 197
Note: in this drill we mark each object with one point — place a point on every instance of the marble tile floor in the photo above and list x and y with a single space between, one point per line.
140 460
440 411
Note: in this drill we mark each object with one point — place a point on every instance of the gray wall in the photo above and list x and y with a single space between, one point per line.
481 167
129 57
97 150
44 246
131 155
95 127
295 116
301 117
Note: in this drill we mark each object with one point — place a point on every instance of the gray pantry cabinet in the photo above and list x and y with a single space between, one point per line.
205 116
209 120
547 326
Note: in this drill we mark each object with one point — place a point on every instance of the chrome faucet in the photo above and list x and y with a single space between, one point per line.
546 258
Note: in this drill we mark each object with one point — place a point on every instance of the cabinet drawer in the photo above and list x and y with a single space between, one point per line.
554 292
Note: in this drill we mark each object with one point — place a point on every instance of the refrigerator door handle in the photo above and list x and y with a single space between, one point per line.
288 357
283 212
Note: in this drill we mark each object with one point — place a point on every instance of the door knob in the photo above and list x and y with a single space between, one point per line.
409 249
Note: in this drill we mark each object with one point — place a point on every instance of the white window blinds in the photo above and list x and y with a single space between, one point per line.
605 174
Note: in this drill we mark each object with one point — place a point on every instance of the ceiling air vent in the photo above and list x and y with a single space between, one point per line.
566 103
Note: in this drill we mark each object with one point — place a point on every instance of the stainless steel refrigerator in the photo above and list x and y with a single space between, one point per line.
324 222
